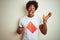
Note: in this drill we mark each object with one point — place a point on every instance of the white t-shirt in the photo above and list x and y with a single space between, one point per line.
31 26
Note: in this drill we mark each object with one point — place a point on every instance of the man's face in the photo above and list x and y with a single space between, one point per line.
31 10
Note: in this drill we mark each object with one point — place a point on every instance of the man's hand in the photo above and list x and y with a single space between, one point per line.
20 30
43 27
45 18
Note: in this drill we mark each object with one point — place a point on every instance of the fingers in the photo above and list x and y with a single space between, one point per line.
43 16
49 14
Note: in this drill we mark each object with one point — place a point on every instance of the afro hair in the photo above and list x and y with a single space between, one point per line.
29 3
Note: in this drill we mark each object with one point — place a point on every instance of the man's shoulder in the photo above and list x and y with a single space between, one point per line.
22 18
38 17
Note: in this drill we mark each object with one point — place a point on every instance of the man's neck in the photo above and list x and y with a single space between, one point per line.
30 16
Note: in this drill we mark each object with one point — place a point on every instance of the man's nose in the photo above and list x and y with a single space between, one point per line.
31 9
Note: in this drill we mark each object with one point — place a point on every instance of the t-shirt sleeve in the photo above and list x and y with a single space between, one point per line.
20 23
40 21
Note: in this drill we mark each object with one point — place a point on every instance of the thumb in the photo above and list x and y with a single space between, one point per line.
43 15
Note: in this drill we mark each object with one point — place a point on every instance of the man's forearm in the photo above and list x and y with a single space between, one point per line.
43 27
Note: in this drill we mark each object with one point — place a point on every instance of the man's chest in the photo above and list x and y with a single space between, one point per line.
33 22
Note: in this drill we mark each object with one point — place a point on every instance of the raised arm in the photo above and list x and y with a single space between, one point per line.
43 27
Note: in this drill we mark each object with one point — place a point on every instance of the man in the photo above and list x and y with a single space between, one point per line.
30 24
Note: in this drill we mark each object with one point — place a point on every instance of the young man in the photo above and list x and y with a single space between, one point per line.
30 24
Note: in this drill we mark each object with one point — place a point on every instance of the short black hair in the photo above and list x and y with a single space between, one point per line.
29 3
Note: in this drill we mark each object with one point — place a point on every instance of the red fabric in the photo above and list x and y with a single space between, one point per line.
31 27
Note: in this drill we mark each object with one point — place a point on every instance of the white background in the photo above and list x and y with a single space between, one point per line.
12 10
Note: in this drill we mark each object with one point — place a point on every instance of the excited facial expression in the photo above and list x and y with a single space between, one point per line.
31 10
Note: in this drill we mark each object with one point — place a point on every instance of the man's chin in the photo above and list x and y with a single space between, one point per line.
31 15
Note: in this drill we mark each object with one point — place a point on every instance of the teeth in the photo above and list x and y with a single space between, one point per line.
31 12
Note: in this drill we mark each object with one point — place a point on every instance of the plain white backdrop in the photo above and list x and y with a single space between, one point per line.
12 10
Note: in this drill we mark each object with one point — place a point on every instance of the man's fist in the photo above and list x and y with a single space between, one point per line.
20 30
